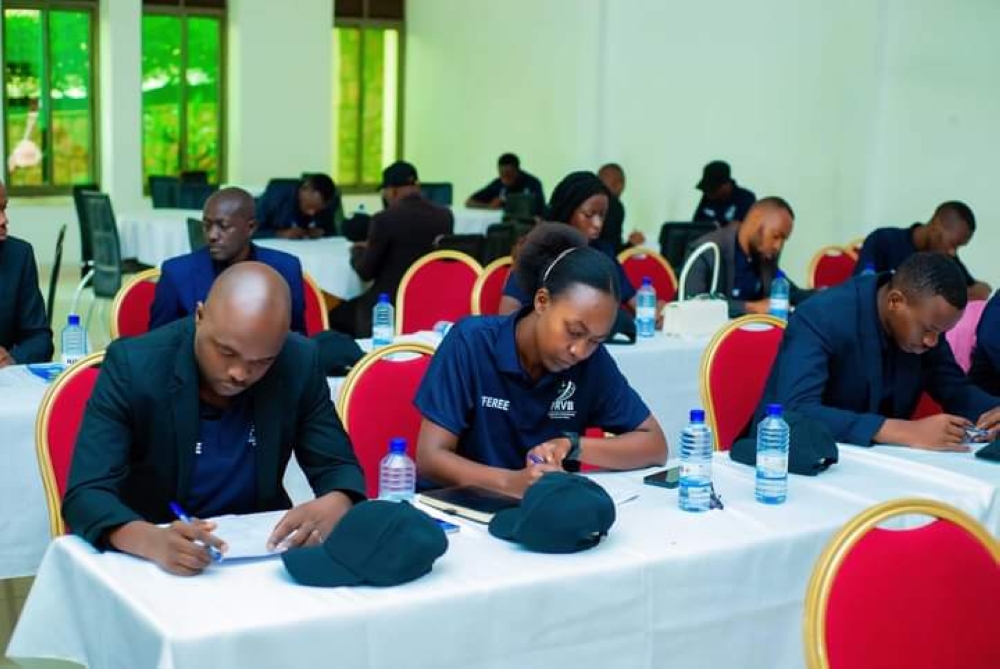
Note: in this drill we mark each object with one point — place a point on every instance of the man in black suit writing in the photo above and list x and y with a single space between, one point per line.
206 411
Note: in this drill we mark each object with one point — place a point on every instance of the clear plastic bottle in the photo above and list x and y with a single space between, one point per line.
696 464
397 474
645 309
772 457
868 269
780 289
383 321
74 340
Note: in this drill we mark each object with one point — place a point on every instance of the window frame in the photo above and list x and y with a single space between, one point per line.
92 7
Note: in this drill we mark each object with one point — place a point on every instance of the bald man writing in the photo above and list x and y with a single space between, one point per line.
749 253
206 412
228 224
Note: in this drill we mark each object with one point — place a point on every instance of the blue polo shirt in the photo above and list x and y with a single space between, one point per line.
513 289
747 285
224 475
476 389
885 250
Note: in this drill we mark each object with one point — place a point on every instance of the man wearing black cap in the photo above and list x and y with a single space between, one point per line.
398 235
722 200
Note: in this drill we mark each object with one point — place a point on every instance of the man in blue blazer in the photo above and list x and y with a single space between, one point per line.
858 356
229 224
25 335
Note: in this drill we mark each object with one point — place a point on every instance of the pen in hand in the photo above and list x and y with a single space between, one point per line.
535 459
182 516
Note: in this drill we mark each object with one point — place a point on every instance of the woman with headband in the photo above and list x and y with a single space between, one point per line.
507 398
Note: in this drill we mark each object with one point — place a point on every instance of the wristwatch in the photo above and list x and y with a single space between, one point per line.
571 461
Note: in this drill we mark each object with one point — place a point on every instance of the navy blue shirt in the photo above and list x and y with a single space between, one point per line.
885 250
734 208
747 285
525 183
513 289
224 474
477 389
985 369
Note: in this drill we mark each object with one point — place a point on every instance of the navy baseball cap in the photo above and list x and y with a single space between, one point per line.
714 175
560 513
375 543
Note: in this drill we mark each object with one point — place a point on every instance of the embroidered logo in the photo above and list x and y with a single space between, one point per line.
563 407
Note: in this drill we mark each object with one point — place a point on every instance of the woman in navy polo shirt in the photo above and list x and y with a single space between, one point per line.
506 398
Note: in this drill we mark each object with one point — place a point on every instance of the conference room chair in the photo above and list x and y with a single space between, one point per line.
884 596
131 306
437 192
501 239
520 207
488 289
163 191
316 316
86 251
831 266
194 195
194 177
196 233
856 244
639 262
676 236
734 371
437 287
469 244
50 302
59 417
376 404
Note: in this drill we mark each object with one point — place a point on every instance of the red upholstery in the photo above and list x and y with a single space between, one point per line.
315 310
734 372
925 598
652 264
380 406
437 290
491 289
132 317
832 266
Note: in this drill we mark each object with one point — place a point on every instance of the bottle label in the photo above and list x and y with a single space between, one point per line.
772 463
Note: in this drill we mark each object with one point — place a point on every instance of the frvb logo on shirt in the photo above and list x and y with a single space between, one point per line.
562 407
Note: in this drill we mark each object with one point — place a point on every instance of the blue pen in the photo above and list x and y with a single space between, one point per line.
535 459
182 516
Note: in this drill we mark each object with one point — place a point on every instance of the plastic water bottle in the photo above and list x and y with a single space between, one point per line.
696 464
74 340
383 321
645 309
397 475
772 457
869 269
779 296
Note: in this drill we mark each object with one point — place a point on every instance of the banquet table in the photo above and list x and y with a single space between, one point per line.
470 221
665 588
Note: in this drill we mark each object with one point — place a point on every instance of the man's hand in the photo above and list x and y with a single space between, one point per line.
290 233
636 238
549 452
179 548
990 421
942 432
5 358
761 306
519 480
495 203
310 523
315 233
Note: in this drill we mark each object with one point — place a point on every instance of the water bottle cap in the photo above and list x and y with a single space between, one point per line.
397 445
74 319
697 415
780 274
774 410
646 281
870 266
383 298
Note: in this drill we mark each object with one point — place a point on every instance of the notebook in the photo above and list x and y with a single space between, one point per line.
472 502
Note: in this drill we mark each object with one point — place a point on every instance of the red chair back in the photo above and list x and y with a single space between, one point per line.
488 290
59 417
639 262
317 319
831 266
376 404
438 287
734 371
131 306
920 598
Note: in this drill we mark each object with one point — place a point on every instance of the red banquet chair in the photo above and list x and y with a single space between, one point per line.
922 598
488 290
639 262
56 427
131 306
316 317
376 403
734 371
437 287
831 266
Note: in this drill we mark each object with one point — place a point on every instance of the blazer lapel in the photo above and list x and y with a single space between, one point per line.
184 410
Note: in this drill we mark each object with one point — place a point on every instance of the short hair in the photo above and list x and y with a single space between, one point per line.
775 201
322 184
612 166
929 274
556 256
956 209
509 159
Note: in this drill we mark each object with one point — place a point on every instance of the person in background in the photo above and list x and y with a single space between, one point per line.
311 210
950 228
613 177
398 235
749 254
512 179
206 412
25 336
985 368
229 224
858 357
507 398
723 201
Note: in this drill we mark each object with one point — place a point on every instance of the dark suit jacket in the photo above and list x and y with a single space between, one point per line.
614 222
699 279
829 367
985 368
135 450
186 280
24 330
278 208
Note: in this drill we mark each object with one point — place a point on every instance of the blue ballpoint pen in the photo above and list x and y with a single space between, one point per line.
182 516
535 459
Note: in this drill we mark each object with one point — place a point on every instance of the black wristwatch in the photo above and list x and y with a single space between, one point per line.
571 461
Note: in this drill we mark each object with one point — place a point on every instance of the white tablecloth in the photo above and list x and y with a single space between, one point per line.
327 260
474 221
666 588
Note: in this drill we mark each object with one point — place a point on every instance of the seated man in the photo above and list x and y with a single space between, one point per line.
858 356
749 252
722 200
951 227
206 412
229 226
310 210
399 235
985 368
25 336
512 179
613 177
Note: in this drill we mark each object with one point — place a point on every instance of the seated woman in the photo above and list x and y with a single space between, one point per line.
507 398
580 200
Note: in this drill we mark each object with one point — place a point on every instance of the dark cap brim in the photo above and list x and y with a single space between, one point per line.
504 522
314 566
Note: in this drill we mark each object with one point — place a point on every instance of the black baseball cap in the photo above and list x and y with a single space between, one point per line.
811 446
400 173
375 543
560 513
714 175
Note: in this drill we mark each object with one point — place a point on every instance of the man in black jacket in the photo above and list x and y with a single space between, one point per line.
25 335
206 412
